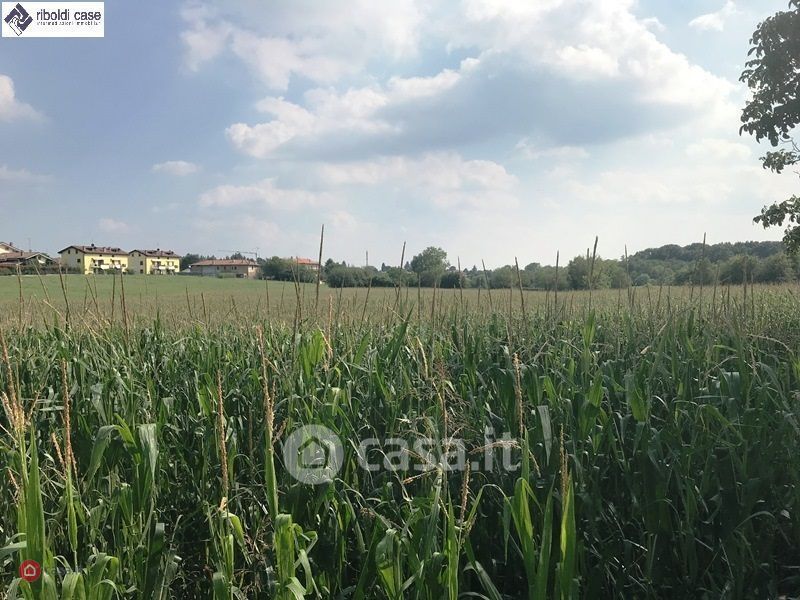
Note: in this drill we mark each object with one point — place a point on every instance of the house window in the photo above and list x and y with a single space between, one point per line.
141 262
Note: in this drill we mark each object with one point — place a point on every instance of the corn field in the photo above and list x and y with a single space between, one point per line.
654 449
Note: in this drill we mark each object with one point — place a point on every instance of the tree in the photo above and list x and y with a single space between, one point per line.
190 259
453 279
775 269
430 259
401 277
429 265
545 278
503 277
738 269
277 268
578 273
614 273
282 269
773 76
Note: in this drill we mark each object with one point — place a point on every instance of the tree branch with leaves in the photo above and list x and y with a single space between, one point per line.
773 112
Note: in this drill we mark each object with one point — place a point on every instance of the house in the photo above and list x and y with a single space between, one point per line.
228 267
308 263
6 248
12 260
94 259
153 262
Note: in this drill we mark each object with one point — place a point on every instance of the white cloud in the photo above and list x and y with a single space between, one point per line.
654 24
703 185
180 168
626 186
343 220
583 61
328 112
445 179
19 175
715 21
715 149
529 149
262 194
205 39
276 59
316 40
110 225
570 72
11 109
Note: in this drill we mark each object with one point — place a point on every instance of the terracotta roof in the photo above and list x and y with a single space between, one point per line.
304 261
226 262
12 257
158 253
97 250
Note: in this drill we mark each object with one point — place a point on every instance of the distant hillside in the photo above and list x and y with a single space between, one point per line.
763 262
713 252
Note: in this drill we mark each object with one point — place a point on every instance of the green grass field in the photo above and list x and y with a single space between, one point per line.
621 444
180 300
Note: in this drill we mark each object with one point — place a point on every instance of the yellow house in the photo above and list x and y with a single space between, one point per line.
94 259
153 262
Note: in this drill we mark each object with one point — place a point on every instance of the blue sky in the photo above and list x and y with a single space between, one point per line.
492 128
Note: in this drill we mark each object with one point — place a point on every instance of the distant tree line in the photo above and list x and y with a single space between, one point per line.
726 263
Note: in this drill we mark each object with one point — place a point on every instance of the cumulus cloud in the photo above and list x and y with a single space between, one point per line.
569 73
205 38
261 194
109 225
715 21
704 185
343 220
180 168
328 113
445 179
530 149
673 186
715 149
312 39
11 109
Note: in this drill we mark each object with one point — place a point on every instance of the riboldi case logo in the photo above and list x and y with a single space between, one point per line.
18 19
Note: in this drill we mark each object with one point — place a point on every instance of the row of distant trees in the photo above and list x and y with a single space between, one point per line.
759 262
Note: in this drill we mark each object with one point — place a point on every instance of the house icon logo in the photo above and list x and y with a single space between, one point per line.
30 570
313 454
18 19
